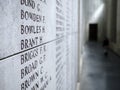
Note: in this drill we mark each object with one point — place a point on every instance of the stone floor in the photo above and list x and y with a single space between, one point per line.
99 72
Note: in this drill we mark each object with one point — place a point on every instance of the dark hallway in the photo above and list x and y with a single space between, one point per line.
99 72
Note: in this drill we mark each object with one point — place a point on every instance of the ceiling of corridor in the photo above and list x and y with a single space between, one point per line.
91 6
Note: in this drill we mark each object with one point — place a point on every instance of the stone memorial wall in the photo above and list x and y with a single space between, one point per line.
38 44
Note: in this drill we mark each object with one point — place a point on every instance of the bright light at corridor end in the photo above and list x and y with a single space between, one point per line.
97 13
